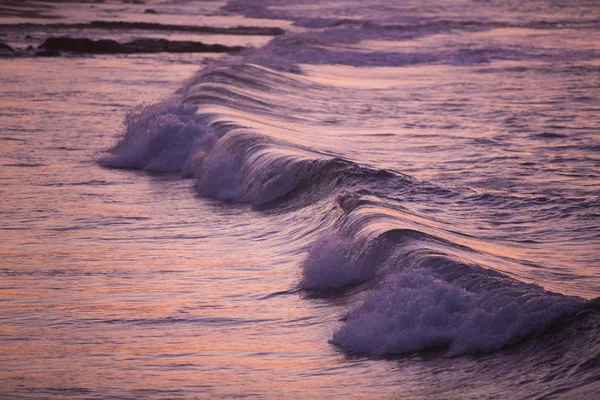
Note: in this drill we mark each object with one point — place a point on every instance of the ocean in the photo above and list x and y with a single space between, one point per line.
350 199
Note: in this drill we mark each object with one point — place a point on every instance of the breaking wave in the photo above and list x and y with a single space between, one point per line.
258 131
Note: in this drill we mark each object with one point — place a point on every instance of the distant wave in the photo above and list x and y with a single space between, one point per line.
152 26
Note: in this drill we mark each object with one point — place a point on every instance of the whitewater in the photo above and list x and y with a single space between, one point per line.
388 199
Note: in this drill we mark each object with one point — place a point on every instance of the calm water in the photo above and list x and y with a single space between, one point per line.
389 200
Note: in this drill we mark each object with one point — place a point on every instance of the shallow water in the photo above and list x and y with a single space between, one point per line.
395 201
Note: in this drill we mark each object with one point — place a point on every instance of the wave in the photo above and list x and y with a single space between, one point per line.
422 293
151 26
229 161
421 284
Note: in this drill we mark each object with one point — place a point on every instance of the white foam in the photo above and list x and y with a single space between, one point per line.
415 310
219 176
160 138
330 264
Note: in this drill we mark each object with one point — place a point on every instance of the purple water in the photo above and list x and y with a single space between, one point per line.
387 200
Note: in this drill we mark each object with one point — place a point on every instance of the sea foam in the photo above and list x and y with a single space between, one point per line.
416 310
330 265
158 138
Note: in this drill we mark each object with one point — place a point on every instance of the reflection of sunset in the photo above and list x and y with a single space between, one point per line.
364 200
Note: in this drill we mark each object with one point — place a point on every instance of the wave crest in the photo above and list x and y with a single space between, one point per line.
419 294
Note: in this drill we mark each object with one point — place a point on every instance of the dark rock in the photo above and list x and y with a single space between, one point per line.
107 46
4 46
152 26
82 45
30 47
28 37
47 53
150 11
163 45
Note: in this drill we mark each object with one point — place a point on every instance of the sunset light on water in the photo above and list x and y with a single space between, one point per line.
282 199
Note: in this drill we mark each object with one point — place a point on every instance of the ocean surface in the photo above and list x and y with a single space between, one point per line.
391 199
